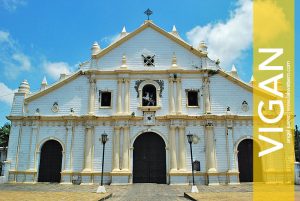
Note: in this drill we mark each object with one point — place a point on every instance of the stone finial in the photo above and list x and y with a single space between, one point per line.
24 87
124 61
44 83
95 48
174 61
233 71
203 47
252 80
124 32
174 31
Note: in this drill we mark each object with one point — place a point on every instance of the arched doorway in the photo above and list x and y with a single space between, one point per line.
149 159
50 162
245 160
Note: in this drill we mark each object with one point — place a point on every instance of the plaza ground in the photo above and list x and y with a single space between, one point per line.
135 192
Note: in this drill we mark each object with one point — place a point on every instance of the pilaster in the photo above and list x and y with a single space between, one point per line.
172 141
179 96
69 140
182 149
92 92
116 151
119 97
206 95
125 161
33 140
127 97
171 96
88 149
211 155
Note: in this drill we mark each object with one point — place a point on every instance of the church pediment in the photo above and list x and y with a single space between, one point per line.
150 48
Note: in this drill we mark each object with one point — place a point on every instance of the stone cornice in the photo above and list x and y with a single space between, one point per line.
127 117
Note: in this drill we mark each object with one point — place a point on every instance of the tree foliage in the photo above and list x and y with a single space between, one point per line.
4 135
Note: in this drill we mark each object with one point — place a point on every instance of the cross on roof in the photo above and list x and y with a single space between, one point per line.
148 12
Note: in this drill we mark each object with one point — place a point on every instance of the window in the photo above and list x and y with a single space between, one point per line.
148 60
105 98
149 95
192 98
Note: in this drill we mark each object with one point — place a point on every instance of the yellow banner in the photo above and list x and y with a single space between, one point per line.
273 100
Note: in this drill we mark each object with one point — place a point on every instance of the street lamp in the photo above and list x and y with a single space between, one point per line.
190 140
101 188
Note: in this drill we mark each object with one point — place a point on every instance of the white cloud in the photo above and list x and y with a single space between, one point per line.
227 40
12 5
110 39
54 69
12 58
7 94
4 36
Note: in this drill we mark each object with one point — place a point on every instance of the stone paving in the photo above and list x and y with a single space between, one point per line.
134 192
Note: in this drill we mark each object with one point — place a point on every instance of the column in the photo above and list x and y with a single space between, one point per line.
210 149
127 96
125 162
182 149
116 146
32 152
92 95
179 99
119 97
171 97
68 154
88 150
231 152
172 145
206 95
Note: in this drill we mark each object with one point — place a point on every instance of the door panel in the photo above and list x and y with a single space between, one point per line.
149 159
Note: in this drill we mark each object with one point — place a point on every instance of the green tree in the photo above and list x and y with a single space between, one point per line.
4 135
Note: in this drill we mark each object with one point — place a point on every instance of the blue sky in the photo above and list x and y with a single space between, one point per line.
42 38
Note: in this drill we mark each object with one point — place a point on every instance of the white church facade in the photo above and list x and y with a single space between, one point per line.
146 91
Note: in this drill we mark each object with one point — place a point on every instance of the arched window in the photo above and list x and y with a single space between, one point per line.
149 95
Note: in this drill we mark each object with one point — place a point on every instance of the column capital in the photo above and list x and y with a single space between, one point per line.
92 78
181 127
88 126
173 126
117 127
171 80
178 79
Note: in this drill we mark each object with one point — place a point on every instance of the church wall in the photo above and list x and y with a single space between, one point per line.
78 148
13 144
221 147
195 84
72 95
98 147
198 149
106 85
157 45
224 93
24 151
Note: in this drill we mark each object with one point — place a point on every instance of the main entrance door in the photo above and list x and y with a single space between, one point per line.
50 162
245 157
149 159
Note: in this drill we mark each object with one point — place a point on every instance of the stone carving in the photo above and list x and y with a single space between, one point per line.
159 82
245 106
55 107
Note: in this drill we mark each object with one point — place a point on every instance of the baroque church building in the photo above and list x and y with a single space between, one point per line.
146 91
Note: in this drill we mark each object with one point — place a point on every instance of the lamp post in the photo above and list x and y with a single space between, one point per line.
101 188
190 140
